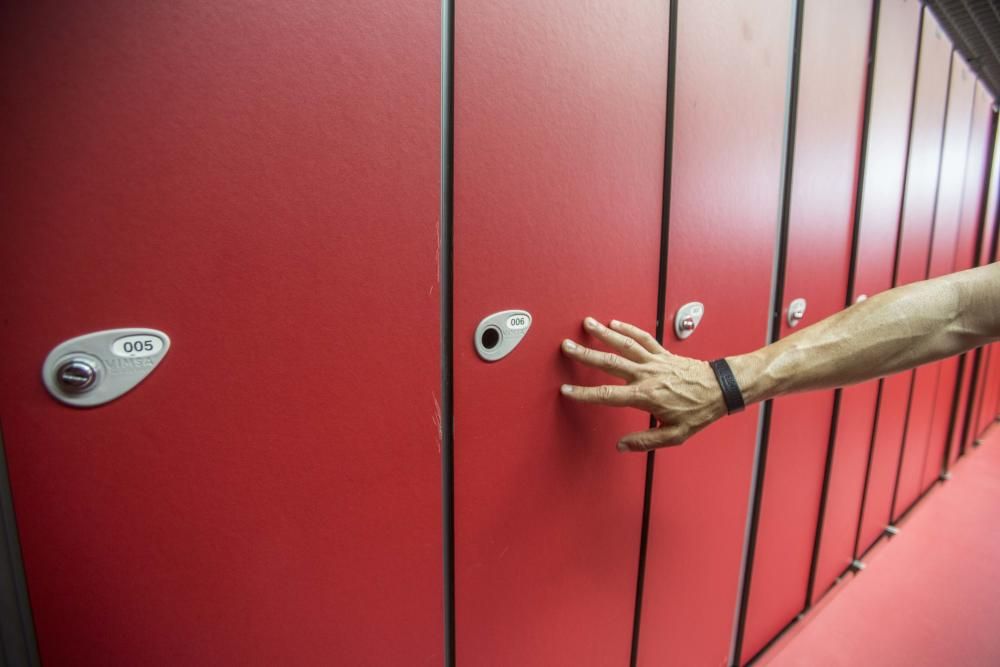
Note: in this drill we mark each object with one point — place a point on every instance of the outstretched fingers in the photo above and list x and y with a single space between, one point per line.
609 362
625 345
644 441
620 396
644 338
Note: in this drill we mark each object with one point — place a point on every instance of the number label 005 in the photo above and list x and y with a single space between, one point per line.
137 346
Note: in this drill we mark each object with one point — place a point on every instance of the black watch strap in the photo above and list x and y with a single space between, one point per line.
731 393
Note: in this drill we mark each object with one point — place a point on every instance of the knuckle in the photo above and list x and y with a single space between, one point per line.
611 360
605 392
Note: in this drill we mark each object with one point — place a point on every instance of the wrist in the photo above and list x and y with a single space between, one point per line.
747 370
712 392
732 395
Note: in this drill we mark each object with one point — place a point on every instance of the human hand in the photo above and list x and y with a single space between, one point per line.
681 393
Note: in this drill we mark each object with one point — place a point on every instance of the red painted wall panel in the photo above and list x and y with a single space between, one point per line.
239 176
559 135
947 222
728 145
817 263
912 257
970 226
881 194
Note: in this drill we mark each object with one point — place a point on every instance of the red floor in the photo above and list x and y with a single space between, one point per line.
929 596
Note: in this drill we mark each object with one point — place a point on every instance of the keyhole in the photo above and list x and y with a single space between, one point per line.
490 337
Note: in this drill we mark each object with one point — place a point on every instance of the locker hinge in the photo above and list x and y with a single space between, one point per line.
891 530
857 566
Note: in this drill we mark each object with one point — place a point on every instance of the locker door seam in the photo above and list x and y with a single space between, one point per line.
851 281
18 626
774 331
668 140
899 228
960 371
972 409
927 270
909 145
445 264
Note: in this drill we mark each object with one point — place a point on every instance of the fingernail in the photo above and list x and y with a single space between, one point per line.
622 447
615 323
591 322
566 389
569 345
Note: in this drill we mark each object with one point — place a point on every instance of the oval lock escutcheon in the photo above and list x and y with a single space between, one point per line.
498 334
796 312
98 367
687 319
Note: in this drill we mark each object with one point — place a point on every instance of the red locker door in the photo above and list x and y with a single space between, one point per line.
970 224
831 88
911 265
559 135
726 177
981 418
237 175
917 445
880 194
928 465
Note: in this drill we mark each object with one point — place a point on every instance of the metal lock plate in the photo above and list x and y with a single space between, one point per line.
796 312
688 318
99 367
498 334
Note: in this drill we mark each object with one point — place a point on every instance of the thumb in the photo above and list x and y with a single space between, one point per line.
643 441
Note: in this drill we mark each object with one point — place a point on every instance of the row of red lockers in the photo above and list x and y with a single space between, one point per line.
262 182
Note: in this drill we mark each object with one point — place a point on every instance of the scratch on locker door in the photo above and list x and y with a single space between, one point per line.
437 421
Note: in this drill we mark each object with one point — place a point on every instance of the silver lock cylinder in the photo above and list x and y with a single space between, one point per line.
796 312
77 374
498 334
687 319
99 367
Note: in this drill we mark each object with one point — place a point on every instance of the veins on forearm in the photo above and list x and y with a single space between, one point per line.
887 333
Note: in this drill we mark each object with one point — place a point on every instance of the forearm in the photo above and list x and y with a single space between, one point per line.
890 332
